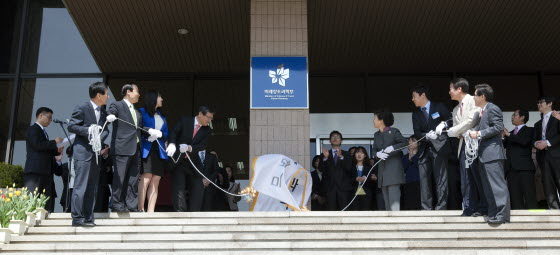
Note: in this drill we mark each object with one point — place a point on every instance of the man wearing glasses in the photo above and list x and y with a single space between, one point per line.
191 134
547 142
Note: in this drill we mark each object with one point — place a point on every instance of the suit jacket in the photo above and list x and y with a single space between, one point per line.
82 118
40 152
552 135
182 133
491 126
209 167
464 120
438 113
519 149
125 137
318 187
390 171
337 176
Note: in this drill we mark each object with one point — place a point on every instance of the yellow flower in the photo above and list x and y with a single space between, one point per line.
11 195
44 190
35 192
18 193
0 191
14 185
8 200
24 196
11 189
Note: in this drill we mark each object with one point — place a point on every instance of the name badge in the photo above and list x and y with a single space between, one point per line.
435 115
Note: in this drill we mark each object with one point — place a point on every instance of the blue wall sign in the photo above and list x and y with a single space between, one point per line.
279 82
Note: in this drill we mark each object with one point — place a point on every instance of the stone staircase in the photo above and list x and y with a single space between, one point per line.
378 232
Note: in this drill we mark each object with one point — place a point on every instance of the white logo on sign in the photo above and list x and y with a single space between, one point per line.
280 76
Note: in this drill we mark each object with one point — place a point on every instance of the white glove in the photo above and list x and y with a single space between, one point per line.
183 148
450 133
171 149
382 155
440 128
389 149
152 138
155 132
111 118
431 135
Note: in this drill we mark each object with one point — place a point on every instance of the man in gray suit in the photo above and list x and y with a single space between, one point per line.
86 166
491 155
125 150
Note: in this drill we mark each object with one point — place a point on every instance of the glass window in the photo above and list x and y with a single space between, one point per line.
54 44
5 111
10 20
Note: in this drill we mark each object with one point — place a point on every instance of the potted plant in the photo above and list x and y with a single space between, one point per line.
5 215
39 202
19 206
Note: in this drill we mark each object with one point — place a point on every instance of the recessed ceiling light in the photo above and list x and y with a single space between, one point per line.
183 31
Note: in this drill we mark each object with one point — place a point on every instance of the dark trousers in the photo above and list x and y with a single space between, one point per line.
126 173
410 196
337 200
181 176
521 184
365 202
102 202
84 192
474 199
454 199
495 188
41 182
551 180
432 167
201 199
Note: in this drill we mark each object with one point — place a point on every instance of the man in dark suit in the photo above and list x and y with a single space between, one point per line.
520 170
87 164
43 157
318 202
338 175
547 142
125 150
191 133
202 194
429 119
491 155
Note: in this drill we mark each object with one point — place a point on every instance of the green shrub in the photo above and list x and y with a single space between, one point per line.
10 174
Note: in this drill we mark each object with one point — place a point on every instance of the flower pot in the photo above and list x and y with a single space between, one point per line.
31 219
41 214
5 235
18 227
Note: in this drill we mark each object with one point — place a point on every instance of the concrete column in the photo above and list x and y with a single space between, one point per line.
279 28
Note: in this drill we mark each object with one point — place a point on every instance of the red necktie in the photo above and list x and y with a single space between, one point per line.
482 112
461 107
196 128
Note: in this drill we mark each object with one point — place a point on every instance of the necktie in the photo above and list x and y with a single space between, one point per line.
335 156
44 131
461 109
196 128
515 130
202 156
97 114
481 113
424 110
133 113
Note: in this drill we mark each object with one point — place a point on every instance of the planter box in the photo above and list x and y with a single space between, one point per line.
31 219
5 235
41 214
18 227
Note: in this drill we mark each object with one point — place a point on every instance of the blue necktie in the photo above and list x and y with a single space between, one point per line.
424 110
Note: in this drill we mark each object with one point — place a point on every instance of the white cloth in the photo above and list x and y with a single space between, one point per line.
159 121
96 110
195 123
132 111
282 184
465 121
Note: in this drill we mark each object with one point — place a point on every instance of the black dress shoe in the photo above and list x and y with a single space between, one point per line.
91 222
496 221
476 214
133 210
88 224
77 224
466 214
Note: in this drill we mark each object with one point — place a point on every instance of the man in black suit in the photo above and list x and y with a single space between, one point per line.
43 157
125 150
547 142
338 175
191 133
491 155
318 201
429 119
202 194
520 170
87 164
